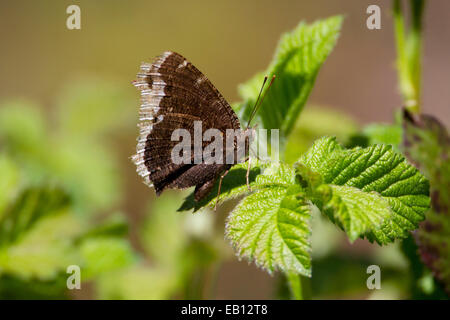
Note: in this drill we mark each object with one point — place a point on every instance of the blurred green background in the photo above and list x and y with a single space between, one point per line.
67 129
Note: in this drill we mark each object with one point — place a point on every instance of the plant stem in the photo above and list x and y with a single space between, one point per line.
295 285
409 53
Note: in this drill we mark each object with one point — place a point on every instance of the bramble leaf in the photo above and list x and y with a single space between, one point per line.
356 211
372 192
297 61
272 225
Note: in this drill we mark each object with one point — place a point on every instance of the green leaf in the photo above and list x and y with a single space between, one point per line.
45 250
85 167
272 225
297 61
357 212
115 225
162 234
137 283
233 186
15 288
89 171
30 207
37 235
374 177
22 127
9 181
105 254
379 133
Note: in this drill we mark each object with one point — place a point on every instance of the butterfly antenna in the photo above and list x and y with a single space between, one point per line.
257 105
257 100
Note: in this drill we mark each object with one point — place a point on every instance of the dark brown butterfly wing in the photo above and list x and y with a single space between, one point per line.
174 94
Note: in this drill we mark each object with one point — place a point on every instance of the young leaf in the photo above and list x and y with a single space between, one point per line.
371 192
297 61
272 225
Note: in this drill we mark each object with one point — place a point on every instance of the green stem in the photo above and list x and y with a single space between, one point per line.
409 53
295 285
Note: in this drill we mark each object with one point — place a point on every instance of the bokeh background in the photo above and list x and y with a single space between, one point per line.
74 87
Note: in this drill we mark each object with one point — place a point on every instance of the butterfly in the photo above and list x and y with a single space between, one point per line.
174 95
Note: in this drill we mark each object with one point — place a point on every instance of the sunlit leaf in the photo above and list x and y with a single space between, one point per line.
362 178
297 60
272 225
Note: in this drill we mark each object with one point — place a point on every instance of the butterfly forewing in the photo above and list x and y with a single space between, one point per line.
174 94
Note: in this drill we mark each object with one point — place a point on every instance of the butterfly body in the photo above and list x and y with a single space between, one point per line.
174 95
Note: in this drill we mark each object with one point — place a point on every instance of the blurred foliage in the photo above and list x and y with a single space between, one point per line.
60 178
409 52
316 122
83 166
427 144
177 252
106 103
422 284
381 133
9 181
36 235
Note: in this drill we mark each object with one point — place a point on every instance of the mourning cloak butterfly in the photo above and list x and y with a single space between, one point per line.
175 94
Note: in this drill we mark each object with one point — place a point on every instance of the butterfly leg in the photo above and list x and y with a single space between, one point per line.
220 186
247 176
